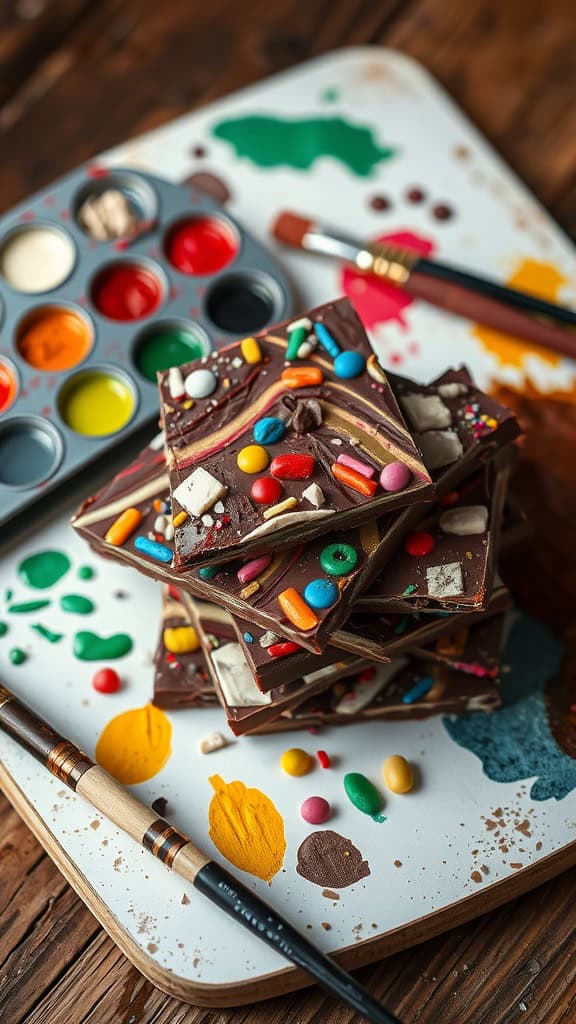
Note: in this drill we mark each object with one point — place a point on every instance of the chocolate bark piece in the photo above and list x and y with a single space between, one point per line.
475 649
181 678
322 426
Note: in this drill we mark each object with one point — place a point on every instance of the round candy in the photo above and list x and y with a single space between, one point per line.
315 810
269 430
296 762
339 559
397 774
362 793
265 490
349 364
200 383
321 593
252 459
248 638
106 680
419 544
395 476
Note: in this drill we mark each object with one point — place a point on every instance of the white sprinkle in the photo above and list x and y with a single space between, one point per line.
302 322
176 383
207 519
169 531
160 524
213 741
157 442
237 362
337 440
218 508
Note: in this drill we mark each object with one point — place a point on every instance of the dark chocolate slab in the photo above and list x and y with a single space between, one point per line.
181 678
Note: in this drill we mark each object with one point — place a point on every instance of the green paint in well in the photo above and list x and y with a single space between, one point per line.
86 572
91 647
48 634
17 656
3 628
28 606
298 143
164 347
44 569
77 604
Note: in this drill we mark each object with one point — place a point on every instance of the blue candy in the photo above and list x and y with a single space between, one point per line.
159 552
248 638
420 689
349 364
269 430
208 572
326 340
321 593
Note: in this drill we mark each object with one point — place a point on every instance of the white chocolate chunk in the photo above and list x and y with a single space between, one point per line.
315 495
466 520
364 691
426 412
439 447
235 678
160 524
445 580
268 638
169 531
199 491
176 383
452 390
207 520
213 741
157 442
218 508
288 519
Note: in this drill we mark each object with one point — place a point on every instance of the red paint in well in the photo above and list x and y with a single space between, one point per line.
126 291
200 245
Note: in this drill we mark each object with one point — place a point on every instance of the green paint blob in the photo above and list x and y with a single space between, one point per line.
330 95
168 346
28 606
48 635
363 794
3 628
17 656
281 142
7 596
44 569
77 604
86 572
91 647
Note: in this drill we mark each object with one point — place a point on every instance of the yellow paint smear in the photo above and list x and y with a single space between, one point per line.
135 745
541 279
246 828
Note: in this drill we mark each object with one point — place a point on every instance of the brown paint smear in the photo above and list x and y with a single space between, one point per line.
328 859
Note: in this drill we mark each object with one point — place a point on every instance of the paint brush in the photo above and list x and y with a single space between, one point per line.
458 291
177 851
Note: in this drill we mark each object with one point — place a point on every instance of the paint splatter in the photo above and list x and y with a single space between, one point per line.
541 279
17 656
28 606
86 572
77 604
47 634
44 569
515 741
135 745
331 861
91 647
3 628
377 302
282 142
246 827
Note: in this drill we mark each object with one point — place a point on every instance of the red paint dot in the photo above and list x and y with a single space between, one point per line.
126 291
106 680
419 543
200 245
265 490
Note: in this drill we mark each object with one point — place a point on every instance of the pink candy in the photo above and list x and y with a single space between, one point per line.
394 476
361 467
315 810
251 570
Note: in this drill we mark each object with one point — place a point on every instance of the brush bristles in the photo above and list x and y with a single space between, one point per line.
290 229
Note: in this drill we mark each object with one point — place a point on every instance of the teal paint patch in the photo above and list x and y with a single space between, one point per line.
515 742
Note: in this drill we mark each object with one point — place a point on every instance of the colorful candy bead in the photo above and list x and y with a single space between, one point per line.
420 689
251 351
395 476
248 638
339 559
181 639
269 430
124 526
265 490
278 510
323 759
329 344
283 649
153 548
349 364
294 607
252 569
315 810
200 383
208 572
321 593
397 774
106 680
292 467
419 543
359 467
296 761
302 377
362 793
350 478
252 459
297 332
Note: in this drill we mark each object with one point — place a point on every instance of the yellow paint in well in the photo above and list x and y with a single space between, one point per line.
541 279
96 403
246 827
135 745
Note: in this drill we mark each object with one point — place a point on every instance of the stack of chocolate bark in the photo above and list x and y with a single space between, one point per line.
326 533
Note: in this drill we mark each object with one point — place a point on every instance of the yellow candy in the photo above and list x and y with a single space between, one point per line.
181 640
252 459
296 762
397 774
180 518
250 350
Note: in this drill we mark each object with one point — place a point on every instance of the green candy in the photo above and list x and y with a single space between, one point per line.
362 793
295 339
339 559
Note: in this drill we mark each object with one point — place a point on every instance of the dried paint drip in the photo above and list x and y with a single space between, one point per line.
47 634
91 647
43 569
77 604
328 859
17 656
364 795
28 606
3 628
86 572
246 827
135 745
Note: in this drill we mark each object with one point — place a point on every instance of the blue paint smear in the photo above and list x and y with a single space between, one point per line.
515 741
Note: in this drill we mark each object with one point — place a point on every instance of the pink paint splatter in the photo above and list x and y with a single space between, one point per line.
377 302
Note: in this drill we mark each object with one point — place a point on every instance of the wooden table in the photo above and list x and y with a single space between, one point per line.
80 75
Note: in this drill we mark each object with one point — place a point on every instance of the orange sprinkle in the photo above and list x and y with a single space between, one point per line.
180 518
302 376
352 479
157 505
123 527
296 610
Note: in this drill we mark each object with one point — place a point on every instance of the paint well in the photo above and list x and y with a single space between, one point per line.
135 745
30 451
54 338
37 259
127 291
167 345
201 245
8 385
96 402
242 303
43 569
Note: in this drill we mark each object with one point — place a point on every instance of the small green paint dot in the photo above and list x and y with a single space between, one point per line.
330 95
7 596
77 604
27 606
17 656
48 635
86 572
3 628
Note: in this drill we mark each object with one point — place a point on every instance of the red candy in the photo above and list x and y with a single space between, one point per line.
106 680
265 490
323 758
282 649
292 467
452 498
419 543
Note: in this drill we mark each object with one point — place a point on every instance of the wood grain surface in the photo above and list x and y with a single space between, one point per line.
77 76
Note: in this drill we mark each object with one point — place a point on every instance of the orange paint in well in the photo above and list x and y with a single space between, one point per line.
541 279
54 338
135 745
